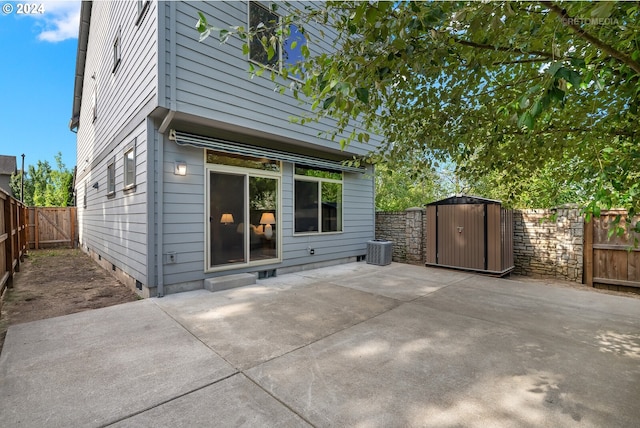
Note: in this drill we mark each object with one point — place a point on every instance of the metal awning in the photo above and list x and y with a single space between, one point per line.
185 139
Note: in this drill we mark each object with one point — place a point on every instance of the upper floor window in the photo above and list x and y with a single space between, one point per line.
281 50
143 6
129 168
318 200
117 50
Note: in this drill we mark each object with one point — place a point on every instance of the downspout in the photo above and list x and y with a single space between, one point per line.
160 219
160 201
161 138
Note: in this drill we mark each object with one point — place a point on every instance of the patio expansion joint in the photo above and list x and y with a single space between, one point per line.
177 321
283 403
124 418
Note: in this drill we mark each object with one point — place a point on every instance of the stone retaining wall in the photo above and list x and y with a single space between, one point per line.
406 229
542 247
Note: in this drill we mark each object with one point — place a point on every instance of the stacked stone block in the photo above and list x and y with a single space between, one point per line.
392 226
406 230
548 247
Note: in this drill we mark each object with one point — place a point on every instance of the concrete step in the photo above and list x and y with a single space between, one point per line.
229 281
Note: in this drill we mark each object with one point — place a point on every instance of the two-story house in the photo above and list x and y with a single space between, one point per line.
7 169
188 168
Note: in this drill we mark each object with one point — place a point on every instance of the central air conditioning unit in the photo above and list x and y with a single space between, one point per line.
379 252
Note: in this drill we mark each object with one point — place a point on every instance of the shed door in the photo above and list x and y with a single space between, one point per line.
461 236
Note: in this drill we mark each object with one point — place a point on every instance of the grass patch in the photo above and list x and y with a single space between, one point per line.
36 256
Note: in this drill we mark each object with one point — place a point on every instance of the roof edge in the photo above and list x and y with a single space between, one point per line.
81 59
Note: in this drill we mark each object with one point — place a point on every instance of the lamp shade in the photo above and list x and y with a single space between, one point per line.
267 218
226 218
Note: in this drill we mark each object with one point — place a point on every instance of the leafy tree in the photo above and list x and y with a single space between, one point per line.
44 186
398 188
508 90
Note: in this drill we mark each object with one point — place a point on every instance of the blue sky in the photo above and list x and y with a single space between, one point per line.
36 82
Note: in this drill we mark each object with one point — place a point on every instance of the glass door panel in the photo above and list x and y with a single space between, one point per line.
227 218
263 216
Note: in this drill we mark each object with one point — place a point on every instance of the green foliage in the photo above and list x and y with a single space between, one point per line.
399 188
44 186
535 101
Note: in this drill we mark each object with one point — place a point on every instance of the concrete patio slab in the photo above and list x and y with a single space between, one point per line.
100 366
418 366
255 324
232 402
440 276
390 285
590 318
357 345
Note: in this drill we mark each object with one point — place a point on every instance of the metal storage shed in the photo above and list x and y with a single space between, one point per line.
470 233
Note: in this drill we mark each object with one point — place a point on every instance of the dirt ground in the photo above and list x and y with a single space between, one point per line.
58 282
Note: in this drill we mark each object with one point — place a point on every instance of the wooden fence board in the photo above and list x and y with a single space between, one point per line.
610 260
12 238
52 226
634 266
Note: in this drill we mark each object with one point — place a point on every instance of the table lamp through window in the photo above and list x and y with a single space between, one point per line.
267 220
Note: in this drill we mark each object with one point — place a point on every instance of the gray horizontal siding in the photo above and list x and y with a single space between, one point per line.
116 227
184 222
183 202
211 79
123 93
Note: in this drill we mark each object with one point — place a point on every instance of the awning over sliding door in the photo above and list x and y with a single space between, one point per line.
185 139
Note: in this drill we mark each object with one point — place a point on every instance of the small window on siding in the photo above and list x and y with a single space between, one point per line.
111 178
129 168
143 6
117 50
84 196
94 103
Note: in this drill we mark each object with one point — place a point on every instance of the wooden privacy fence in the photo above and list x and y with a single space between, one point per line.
613 261
13 237
52 227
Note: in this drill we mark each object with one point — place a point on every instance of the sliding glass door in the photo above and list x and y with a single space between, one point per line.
243 213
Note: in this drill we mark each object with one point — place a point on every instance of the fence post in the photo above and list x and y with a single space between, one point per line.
8 243
587 268
15 235
36 231
72 221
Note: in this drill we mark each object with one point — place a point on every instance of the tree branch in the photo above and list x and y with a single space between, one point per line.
521 61
619 132
502 48
569 22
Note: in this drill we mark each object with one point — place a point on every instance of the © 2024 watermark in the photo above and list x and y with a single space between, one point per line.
23 8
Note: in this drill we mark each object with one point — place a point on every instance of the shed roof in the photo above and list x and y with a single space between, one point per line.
7 165
465 200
